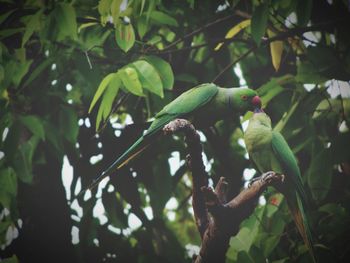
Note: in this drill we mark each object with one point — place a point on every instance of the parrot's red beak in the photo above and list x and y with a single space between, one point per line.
256 101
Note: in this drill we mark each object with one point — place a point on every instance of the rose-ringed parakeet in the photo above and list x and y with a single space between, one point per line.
269 151
203 105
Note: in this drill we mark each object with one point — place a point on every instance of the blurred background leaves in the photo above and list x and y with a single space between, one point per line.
79 82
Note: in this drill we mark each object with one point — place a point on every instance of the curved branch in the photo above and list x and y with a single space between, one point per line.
217 220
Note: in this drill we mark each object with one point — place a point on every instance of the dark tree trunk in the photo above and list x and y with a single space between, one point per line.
45 235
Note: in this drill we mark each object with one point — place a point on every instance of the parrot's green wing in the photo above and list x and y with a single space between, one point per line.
296 201
186 103
288 162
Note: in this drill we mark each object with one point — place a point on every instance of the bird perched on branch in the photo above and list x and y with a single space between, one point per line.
269 151
203 105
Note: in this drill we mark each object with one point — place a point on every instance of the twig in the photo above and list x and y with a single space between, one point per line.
198 30
234 62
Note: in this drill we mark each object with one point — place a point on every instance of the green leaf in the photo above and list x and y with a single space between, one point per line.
86 25
8 187
303 11
67 22
149 77
131 81
259 21
34 124
104 7
15 71
115 11
142 6
142 26
245 257
164 70
125 36
4 16
33 24
107 99
234 31
163 19
9 32
54 139
101 88
68 120
23 159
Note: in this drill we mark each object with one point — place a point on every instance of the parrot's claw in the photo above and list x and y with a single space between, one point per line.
268 175
264 177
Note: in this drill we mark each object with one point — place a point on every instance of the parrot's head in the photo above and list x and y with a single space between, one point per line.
247 99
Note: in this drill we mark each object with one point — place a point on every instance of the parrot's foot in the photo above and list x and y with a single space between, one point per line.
264 177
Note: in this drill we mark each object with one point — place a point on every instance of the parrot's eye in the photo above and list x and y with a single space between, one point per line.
244 97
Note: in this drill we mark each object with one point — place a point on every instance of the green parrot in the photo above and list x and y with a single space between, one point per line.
203 105
269 151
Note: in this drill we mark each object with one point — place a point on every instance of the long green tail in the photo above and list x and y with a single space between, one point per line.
296 207
133 151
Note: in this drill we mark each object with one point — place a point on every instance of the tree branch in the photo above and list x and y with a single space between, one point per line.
196 165
217 220
297 31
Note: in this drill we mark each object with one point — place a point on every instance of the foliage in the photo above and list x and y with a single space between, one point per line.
68 65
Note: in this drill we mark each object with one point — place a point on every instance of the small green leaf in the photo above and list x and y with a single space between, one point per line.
149 77
142 6
9 32
68 120
101 88
104 7
234 31
107 99
142 26
67 22
54 139
86 25
23 159
115 11
131 81
259 21
125 36
8 186
32 25
3 17
163 19
34 124
164 70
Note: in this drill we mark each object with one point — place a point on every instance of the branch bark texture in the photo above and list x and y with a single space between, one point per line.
216 218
